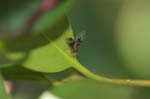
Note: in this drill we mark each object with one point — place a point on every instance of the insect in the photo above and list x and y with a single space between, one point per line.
74 43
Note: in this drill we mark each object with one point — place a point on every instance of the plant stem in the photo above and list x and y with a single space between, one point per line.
89 74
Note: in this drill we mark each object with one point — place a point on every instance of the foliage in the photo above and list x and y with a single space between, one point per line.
35 56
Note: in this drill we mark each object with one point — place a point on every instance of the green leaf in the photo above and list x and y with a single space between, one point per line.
4 61
88 89
18 51
47 53
16 19
51 18
21 73
141 93
53 57
8 58
3 94
28 89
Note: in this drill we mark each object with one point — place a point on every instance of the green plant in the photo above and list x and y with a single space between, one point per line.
33 47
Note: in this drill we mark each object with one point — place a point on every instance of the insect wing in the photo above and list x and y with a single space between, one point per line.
80 36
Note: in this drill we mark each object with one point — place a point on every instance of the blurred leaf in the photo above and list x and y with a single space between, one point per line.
133 37
3 94
17 51
141 93
46 55
14 52
51 18
29 89
4 61
16 19
53 57
8 59
87 89
21 73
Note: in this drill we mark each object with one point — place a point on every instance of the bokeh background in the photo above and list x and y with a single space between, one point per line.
116 45
117 36
117 41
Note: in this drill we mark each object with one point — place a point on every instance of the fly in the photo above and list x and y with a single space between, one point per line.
74 43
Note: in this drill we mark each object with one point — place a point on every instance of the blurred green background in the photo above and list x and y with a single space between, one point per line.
116 45
117 40
98 50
